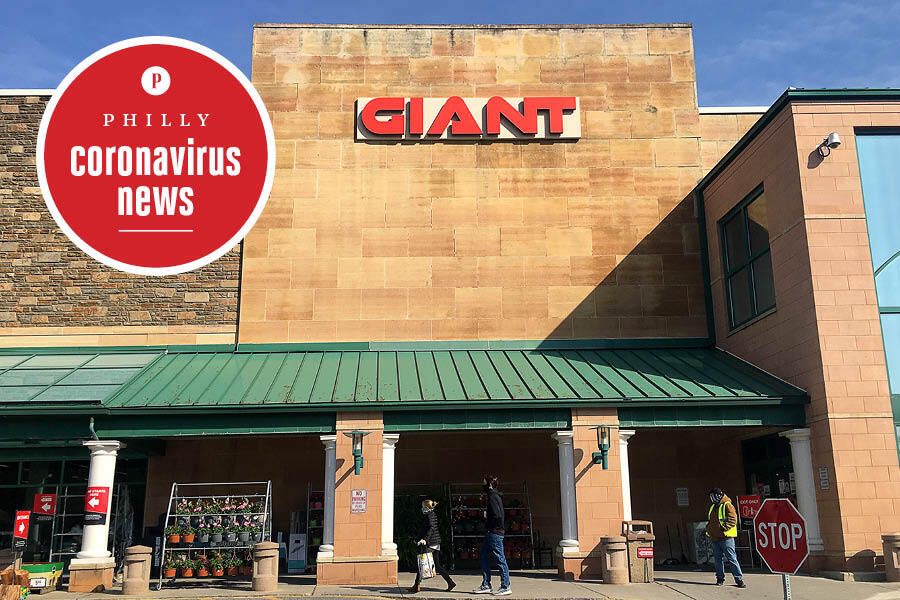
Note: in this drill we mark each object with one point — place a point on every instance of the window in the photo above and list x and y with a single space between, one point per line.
749 285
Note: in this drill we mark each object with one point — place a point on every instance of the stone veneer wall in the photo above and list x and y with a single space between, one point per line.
420 241
825 334
719 132
49 288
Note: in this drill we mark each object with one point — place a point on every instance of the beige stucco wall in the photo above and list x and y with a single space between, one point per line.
423 241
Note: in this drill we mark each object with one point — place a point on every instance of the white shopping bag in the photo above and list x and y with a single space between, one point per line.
426 565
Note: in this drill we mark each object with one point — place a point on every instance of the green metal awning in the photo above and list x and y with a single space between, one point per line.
350 379
35 378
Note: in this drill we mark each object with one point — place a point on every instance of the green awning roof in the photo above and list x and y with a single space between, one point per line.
471 378
32 378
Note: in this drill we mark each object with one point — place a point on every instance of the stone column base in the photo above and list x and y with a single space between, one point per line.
579 566
358 570
91 575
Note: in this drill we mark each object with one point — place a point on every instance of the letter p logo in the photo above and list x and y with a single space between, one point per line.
155 81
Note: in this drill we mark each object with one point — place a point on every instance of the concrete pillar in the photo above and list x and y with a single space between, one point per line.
388 446
326 550
804 480
265 567
569 542
92 568
615 560
137 570
624 436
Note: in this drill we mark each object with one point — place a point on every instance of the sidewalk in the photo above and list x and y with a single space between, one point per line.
534 585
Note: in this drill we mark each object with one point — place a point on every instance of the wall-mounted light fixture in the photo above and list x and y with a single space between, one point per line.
602 457
828 144
357 437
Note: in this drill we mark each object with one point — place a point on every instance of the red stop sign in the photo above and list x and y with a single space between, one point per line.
780 532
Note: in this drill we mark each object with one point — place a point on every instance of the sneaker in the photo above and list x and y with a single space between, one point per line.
740 583
720 582
503 591
483 589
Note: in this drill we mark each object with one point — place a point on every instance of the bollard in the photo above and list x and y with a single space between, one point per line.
614 568
891 544
265 567
137 570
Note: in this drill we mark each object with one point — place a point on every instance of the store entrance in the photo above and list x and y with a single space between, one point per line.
448 467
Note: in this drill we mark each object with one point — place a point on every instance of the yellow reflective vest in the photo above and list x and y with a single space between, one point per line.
723 520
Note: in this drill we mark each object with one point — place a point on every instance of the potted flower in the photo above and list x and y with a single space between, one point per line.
215 534
243 533
231 533
246 569
174 533
187 568
202 569
217 565
233 565
256 534
170 569
203 534
187 534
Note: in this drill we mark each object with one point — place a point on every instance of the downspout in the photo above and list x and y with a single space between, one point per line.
704 261
237 317
94 435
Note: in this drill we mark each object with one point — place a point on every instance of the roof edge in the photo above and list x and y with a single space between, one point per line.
732 110
473 26
27 91
790 96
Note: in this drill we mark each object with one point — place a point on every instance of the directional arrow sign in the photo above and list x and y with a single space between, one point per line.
20 529
44 507
96 505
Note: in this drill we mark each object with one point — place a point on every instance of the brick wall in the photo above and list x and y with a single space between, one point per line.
50 289
422 241
719 132
825 333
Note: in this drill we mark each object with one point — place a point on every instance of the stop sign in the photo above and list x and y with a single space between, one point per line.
780 532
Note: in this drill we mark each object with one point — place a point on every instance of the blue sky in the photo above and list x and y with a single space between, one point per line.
747 52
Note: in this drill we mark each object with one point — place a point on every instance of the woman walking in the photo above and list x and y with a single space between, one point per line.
430 541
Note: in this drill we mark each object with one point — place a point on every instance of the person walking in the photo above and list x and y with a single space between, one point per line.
492 547
721 528
430 541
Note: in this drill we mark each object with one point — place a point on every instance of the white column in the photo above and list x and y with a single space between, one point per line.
624 436
101 473
801 456
326 550
569 542
389 443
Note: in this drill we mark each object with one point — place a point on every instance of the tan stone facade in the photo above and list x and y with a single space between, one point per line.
825 334
367 241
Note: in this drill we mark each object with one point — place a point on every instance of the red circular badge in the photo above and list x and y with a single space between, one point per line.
155 155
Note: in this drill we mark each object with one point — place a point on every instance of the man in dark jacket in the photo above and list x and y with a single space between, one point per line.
492 548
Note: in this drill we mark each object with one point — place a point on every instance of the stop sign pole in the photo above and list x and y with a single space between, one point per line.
780 532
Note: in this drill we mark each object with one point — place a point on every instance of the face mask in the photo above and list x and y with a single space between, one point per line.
424 510
712 498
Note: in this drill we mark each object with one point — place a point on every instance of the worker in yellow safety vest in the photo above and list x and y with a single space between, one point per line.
721 528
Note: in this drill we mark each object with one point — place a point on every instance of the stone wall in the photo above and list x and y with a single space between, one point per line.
719 132
420 241
46 283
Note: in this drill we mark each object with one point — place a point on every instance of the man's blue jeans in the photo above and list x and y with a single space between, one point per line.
491 554
722 551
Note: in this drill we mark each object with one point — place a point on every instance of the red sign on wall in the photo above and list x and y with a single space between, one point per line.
748 506
20 529
44 506
96 505
645 552
155 156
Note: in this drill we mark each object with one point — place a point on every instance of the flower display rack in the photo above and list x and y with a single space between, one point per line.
210 529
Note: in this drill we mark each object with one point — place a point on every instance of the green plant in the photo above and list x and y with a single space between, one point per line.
216 563
173 530
217 529
187 530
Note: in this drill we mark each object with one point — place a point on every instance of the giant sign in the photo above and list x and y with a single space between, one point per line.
456 118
